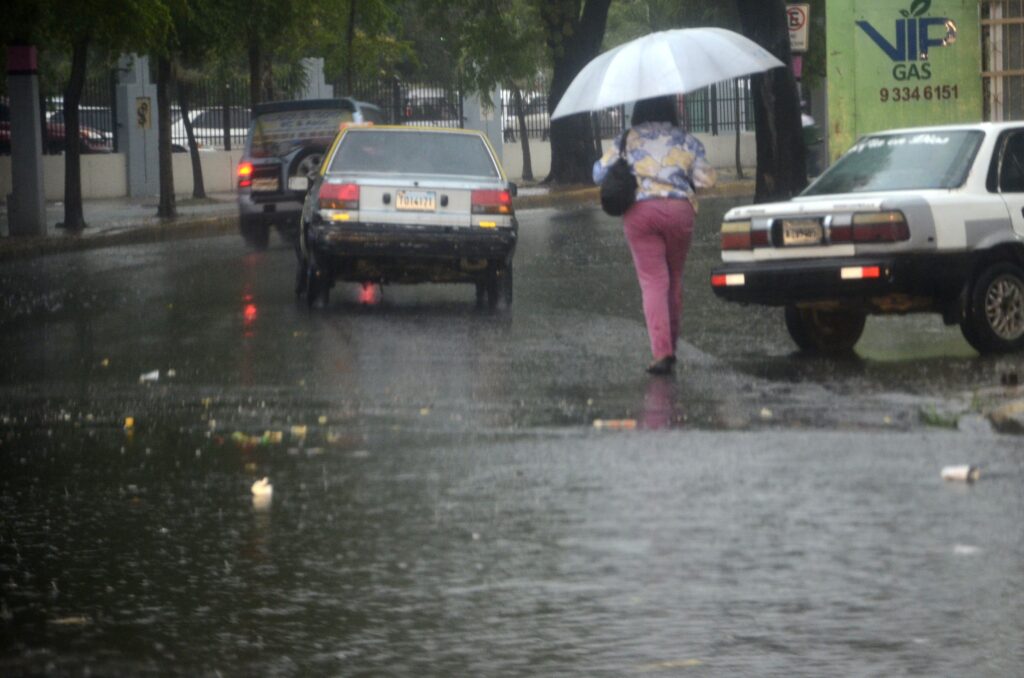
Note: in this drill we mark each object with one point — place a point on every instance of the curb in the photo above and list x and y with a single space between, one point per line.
172 229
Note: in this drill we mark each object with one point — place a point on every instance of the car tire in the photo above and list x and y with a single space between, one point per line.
255 232
306 162
994 320
830 332
318 285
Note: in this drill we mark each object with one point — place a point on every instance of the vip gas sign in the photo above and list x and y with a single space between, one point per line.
896 63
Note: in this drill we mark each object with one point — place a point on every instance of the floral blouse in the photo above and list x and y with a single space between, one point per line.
667 162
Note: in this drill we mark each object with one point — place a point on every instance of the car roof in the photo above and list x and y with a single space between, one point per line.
412 128
343 103
980 126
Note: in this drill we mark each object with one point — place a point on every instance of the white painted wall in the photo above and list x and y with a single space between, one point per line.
104 175
721 153
219 169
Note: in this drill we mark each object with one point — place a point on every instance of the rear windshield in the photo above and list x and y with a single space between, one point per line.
277 134
902 162
403 152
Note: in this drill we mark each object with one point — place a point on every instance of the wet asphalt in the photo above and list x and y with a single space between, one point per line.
466 492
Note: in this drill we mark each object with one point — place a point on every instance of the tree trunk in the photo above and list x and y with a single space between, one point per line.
74 218
781 156
350 38
517 104
167 208
255 72
198 186
574 39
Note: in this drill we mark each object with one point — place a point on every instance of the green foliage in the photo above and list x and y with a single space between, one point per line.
377 45
629 19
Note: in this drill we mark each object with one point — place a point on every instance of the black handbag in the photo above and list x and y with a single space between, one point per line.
618 188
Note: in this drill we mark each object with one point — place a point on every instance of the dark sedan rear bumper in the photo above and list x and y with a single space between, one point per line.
413 242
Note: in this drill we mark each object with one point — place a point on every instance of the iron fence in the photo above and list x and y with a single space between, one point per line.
96 115
720 108
410 103
219 110
713 110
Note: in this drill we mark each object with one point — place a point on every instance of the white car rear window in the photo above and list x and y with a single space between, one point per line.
419 153
899 162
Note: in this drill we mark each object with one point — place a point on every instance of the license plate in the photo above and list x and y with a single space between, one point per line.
416 201
264 184
801 232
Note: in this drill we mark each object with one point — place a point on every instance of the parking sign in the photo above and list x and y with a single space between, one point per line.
797 17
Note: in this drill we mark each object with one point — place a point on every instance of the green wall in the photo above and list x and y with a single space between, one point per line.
888 66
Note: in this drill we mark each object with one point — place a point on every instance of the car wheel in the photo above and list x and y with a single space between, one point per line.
818 331
318 285
306 162
994 321
255 232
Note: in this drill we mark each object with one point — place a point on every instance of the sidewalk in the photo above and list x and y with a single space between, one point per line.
122 221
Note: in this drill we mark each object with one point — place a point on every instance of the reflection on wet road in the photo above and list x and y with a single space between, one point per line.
443 503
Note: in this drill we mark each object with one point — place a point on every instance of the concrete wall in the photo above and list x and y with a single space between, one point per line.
721 153
219 169
104 175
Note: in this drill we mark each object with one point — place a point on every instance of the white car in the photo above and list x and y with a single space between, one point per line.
208 127
926 219
400 204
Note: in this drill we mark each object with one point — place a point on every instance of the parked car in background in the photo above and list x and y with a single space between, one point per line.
400 204
430 110
208 127
927 219
283 146
95 118
54 135
535 109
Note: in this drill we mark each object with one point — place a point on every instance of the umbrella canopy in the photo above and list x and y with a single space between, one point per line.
667 62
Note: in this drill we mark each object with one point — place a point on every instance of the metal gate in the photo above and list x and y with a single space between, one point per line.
1002 40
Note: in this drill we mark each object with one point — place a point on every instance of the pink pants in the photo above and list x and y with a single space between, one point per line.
659 233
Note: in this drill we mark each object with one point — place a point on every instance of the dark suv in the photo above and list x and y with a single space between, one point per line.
284 145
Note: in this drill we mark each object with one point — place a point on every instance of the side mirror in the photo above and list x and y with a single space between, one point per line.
513 189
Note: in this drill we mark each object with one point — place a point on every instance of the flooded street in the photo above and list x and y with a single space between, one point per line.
460 492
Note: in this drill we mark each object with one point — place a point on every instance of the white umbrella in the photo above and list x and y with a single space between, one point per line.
667 62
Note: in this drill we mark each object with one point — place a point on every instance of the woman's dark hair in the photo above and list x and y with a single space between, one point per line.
658 109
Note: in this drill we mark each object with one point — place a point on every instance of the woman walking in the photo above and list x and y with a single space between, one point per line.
669 165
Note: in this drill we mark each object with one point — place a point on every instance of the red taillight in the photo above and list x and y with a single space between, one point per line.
737 241
871 227
738 235
860 272
339 196
244 174
491 202
729 280
838 234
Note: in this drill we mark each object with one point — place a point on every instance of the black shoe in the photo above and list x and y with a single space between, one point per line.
662 366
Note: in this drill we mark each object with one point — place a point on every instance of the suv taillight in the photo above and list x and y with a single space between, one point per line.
491 202
869 227
339 196
244 174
